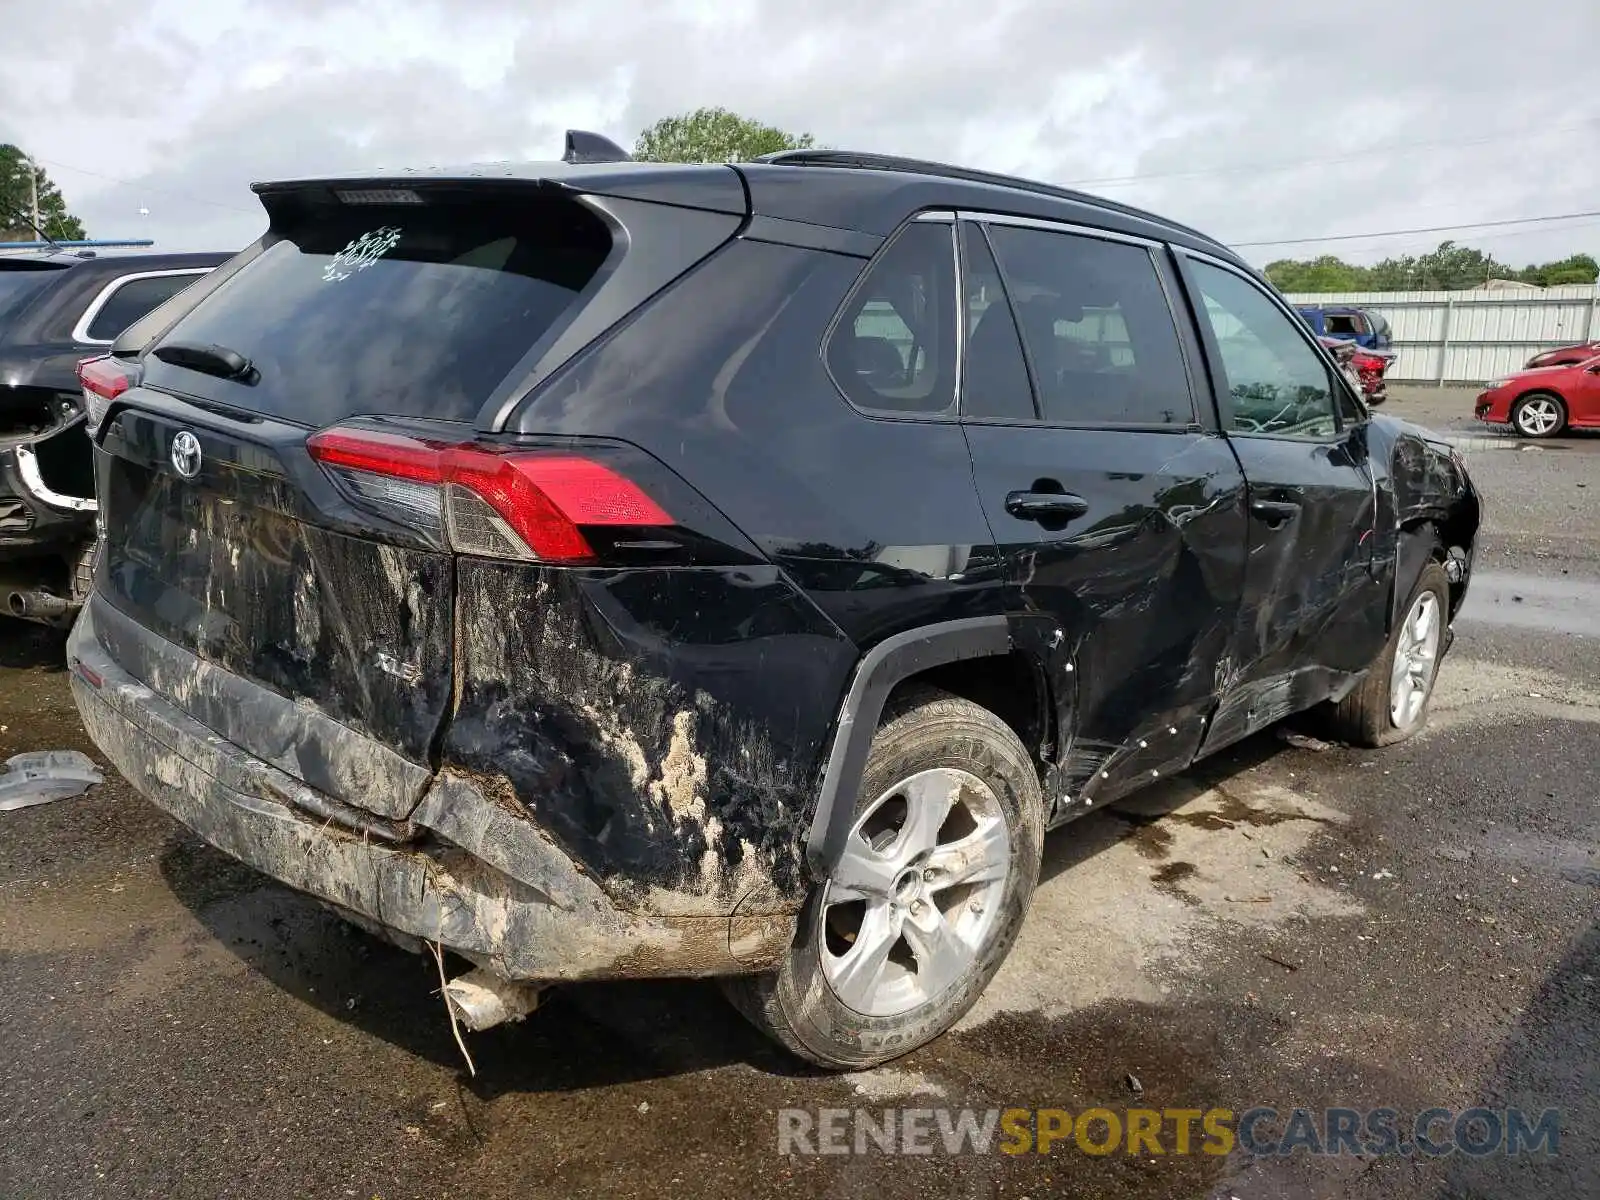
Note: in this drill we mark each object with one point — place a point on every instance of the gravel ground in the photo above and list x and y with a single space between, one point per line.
1282 926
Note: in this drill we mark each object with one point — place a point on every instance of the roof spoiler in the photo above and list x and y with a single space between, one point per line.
585 147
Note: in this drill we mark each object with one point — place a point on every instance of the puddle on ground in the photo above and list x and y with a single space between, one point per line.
1170 878
1233 812
1151 839
1175 872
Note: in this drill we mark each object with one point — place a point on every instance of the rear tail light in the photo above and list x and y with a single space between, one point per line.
498 501
103 380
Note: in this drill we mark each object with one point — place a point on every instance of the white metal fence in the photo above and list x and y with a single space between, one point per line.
1470 337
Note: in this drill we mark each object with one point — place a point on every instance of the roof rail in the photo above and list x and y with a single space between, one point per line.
891 162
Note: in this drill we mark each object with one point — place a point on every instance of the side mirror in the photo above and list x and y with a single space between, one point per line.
1352 447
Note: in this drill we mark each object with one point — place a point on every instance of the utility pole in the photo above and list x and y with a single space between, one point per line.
33 190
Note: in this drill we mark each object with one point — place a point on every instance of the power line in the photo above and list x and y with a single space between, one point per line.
144 186
1358 156
1355 237
1479 240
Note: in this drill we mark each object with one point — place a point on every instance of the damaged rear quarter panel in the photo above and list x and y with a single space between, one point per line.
666 726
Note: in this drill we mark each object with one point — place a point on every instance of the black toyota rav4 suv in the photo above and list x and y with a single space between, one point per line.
604 570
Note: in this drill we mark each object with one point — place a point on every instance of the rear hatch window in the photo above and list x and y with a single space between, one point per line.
418 309
19 283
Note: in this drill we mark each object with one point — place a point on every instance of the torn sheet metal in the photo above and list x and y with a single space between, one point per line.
40 776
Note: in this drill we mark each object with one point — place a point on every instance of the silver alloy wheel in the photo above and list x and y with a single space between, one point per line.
1416 657
1538 416
915 895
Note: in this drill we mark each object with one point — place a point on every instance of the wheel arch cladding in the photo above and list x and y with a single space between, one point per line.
887 664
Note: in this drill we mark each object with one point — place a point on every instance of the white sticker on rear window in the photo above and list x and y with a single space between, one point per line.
361 253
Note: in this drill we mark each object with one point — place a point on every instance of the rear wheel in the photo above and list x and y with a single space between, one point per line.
1391 702
1539 414
925 899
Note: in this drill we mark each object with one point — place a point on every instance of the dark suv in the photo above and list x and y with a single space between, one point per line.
621 570
56 309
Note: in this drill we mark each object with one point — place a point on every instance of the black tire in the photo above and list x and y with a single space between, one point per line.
1521 411
796 1005
1364 717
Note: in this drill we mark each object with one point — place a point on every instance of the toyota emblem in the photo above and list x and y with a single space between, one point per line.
186 454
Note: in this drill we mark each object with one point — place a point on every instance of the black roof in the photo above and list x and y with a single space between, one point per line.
852 159
872 193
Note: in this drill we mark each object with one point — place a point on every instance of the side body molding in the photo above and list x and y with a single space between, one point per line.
886 664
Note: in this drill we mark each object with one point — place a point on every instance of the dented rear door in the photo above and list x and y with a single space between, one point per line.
1119 512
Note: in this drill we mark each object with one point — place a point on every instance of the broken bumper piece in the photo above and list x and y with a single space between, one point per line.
462 872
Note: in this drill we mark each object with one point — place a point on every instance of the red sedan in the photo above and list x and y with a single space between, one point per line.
1545 400
1565 356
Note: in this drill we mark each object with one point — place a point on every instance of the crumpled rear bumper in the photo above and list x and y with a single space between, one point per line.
465 871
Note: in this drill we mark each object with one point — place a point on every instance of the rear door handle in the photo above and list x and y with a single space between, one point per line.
1045 506
1274 512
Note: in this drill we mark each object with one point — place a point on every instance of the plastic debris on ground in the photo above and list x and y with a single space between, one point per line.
1301 741
40 776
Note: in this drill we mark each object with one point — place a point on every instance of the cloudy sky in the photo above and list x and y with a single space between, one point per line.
1264 119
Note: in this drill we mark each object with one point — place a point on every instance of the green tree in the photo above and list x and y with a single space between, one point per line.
1449 268
1453 268
1394 274
1576 268
16 201
1324 274
713 135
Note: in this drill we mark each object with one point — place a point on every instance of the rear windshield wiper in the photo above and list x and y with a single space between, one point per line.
211 360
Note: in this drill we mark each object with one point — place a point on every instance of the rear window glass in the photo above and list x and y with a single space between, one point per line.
408 310
132 300
18 284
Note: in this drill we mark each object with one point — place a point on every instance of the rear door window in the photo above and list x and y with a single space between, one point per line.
894 346
1097 327
131 300
411 310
